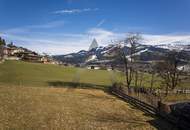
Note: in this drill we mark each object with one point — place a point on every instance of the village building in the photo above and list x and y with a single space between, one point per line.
9 53
101 64
31 57
12 52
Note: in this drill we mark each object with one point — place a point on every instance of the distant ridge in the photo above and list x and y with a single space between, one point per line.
144 53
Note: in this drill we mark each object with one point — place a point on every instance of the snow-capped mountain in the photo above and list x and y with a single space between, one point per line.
154 48
168 41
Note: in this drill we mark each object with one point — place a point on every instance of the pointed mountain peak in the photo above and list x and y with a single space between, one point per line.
94 44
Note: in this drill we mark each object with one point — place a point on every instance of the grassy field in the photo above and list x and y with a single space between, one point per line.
32 74
43 108
38 96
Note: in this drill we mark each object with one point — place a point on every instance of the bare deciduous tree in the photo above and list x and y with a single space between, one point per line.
141 76
132 40
136 78
152 71
169 72
2 45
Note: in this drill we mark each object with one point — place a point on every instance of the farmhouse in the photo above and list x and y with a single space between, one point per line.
184 68
12 52
93 67
98 66
48 60
31 56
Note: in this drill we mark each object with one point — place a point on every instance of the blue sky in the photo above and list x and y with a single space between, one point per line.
64 26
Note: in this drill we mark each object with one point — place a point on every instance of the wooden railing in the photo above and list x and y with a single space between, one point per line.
150 103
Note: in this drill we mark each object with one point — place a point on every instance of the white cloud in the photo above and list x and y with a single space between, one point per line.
62 43
101 23
49 45
165 39
105 36
73 11
25 29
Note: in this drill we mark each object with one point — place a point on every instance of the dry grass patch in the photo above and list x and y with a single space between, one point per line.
68 109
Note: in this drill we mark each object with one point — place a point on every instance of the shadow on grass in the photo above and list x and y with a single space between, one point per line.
63 84
157 122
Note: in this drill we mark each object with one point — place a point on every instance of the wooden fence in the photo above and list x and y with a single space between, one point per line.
147 101
145 95
138 103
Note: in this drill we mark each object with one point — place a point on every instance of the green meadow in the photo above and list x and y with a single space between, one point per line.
33 74
36 75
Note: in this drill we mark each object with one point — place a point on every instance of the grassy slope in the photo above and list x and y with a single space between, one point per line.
31 74
43 108
26 101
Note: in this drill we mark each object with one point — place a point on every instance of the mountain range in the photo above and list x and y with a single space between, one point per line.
146 50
